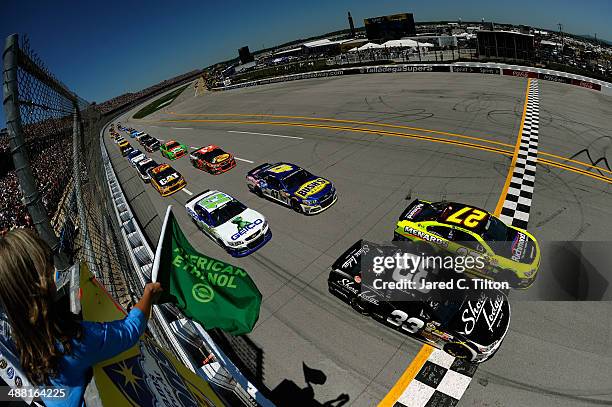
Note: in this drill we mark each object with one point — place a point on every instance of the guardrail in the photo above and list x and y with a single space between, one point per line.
457 67
222 371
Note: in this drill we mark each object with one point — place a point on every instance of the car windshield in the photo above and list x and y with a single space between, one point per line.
444 311
297 179
223 214
163 174
147 166
172 144
210 156
495 230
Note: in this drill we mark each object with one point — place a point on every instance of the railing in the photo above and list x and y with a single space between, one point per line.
71 196
457 67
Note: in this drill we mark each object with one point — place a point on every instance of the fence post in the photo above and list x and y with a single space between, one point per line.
31 196
76 176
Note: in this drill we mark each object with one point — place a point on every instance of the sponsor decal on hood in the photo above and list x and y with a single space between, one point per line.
220 158
483 320
241 226
168 179
311 187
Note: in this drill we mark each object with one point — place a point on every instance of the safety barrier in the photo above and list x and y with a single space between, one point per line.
221 371
457 67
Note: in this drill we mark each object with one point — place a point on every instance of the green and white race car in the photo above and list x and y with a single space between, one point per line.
173 150
233 226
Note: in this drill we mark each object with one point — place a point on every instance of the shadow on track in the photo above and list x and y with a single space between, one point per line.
287 393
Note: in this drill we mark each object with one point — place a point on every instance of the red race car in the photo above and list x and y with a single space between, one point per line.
212 159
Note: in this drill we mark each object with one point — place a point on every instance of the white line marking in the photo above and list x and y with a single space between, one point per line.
154 126
264 134
188 192
182 128
165 103
242 159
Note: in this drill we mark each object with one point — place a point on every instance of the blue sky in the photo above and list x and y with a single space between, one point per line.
106 48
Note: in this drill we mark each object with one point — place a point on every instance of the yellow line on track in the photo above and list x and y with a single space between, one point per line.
409 374
326 119
576 170
352 129
417 363
375 124
419 137
502 196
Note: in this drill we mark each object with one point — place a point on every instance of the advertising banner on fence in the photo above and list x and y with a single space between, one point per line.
145 375
554 78
405 68
585 84
419 68
476 69
523 74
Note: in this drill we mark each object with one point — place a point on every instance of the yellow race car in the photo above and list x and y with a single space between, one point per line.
509 253
166 180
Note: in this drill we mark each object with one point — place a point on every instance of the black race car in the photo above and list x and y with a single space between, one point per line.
151 144
144 137
143 168
471 329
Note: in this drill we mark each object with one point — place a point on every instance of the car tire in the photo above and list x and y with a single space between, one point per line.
459 351
257 191
509 276
295 205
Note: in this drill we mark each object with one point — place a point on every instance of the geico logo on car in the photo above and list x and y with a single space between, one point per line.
246 228
311 187
168 179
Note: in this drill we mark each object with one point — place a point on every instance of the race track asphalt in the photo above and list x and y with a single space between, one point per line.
555 353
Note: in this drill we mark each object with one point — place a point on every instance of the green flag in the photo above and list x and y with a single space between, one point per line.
209 291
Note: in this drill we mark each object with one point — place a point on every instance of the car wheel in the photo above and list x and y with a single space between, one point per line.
257 191
296 206
509 276
459 351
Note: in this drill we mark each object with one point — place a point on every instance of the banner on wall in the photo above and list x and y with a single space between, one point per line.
144 375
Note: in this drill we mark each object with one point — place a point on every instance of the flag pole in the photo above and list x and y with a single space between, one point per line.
158 250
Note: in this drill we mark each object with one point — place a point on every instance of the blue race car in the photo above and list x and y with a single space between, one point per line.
293 186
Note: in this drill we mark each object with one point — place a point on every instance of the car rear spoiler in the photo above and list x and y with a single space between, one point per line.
409 208
196 196
258 168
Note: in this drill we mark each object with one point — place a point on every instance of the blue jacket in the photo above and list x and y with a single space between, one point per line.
100 341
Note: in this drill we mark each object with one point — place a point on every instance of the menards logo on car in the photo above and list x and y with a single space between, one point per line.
311 187
425 236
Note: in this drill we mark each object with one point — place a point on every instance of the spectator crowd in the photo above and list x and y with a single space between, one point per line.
49 146
128 98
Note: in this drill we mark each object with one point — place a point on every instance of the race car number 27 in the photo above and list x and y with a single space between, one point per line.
470 221
400 318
